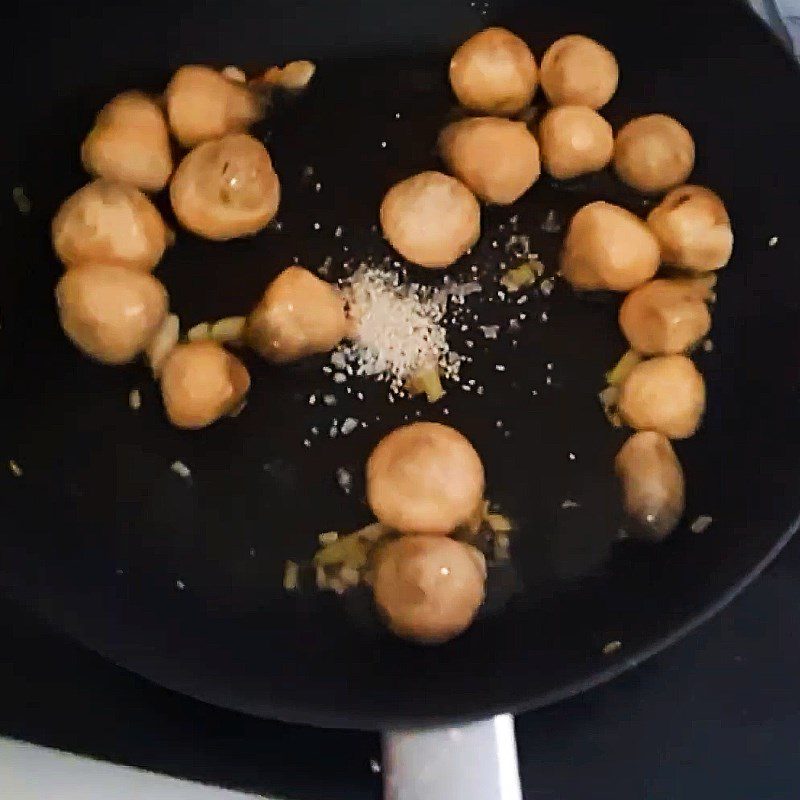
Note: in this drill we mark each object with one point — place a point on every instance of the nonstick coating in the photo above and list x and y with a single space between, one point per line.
98 531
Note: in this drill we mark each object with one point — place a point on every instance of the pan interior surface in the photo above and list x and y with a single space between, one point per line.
180 579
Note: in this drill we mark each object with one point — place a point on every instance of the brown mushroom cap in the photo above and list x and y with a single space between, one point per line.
428 588
110 312
574 140
431 219
299 315
607 247
203 104
665 316
666 394
494 72
693 229
129 142
424 478
653 153
111 223
577 70
226 188
494 157
201 382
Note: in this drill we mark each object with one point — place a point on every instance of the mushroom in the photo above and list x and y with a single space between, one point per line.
424 478
496 158
111 223
693 229
652 484
129 142
428 588
574 140
607 247
494 72
579 71
203 104
226 188
201 382
666 316
299 315
431 219
653 153
665 394
110 312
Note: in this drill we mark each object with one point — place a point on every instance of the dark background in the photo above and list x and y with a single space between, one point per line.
715 716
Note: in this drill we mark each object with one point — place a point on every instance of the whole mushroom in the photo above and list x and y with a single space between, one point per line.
424 478
693 229
299 315
129 142
607 247
494 72
203 104
200 383
226 188
428 588
110 312
496 158
111 223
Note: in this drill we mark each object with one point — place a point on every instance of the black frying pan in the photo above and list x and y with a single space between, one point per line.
98 531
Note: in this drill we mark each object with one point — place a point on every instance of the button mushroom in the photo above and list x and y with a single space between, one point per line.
665 394
431 219
200 383
693 229
652 484
424 478
299 315
579 71
496 158
130 143
110 223
574 140
494 72
666 316
226 188
110 312
428 588
653 153
607 247
203 104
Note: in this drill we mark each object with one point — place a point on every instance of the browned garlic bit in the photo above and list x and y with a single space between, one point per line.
607 247
653 153
428 588
431 219
424 478
652 484
579 71
574 140
494 72
295 75
129 142
496 158
163 343
109 312
693 229
110 223
666 394
203 104
201 382
299 315
226 188
666 316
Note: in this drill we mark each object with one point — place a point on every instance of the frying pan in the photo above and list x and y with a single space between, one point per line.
179 579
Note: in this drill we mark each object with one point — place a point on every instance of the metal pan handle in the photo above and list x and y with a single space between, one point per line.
476 761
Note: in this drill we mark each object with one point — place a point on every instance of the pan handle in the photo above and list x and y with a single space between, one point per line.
475 761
